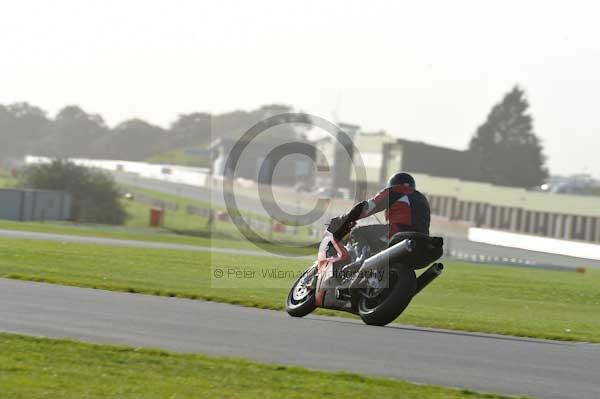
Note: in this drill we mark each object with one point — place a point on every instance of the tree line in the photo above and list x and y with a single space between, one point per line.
508 150
73 132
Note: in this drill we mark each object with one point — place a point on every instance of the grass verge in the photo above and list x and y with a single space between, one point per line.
40 368
522 302
147 234
181 221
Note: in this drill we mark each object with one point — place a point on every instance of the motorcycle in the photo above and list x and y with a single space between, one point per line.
356 271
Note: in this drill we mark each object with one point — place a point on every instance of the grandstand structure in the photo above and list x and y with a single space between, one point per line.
561 216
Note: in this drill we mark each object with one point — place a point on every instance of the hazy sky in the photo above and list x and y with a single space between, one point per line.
420 70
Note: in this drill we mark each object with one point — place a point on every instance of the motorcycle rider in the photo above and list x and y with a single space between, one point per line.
407 214
406 209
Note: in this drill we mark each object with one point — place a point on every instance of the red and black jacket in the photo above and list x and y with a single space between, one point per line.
406 209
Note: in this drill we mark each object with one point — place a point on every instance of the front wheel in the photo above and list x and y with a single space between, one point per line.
383 307
301 298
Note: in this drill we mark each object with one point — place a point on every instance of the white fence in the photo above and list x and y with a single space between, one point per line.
534 243
172 173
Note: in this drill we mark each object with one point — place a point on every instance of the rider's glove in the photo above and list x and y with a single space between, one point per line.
335 224
339 226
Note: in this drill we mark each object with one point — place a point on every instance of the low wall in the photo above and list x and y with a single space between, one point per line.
533 243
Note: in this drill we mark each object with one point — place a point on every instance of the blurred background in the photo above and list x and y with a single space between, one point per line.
491 106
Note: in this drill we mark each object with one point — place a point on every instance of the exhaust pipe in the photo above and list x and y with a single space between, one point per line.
428 276
382 259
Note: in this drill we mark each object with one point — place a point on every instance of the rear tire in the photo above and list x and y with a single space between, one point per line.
300 300
396 300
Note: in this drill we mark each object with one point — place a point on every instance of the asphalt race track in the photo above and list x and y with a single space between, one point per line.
509 365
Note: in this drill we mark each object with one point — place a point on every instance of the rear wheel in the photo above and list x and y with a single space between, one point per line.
380 307
301 298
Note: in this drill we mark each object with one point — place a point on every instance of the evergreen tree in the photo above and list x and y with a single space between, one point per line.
510 153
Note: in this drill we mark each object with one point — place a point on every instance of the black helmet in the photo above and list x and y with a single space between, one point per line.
402 179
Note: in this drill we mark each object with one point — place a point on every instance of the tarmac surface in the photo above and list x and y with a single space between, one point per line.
484 362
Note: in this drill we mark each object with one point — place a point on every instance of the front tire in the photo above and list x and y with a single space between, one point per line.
301 299
386 307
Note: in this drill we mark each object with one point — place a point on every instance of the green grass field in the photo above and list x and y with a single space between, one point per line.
148 234
523 302
181 222
32 368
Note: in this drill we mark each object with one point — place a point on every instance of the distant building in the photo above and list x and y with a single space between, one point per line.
419 157
562 216
262 161
371 150
335 157
34 205
382 155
